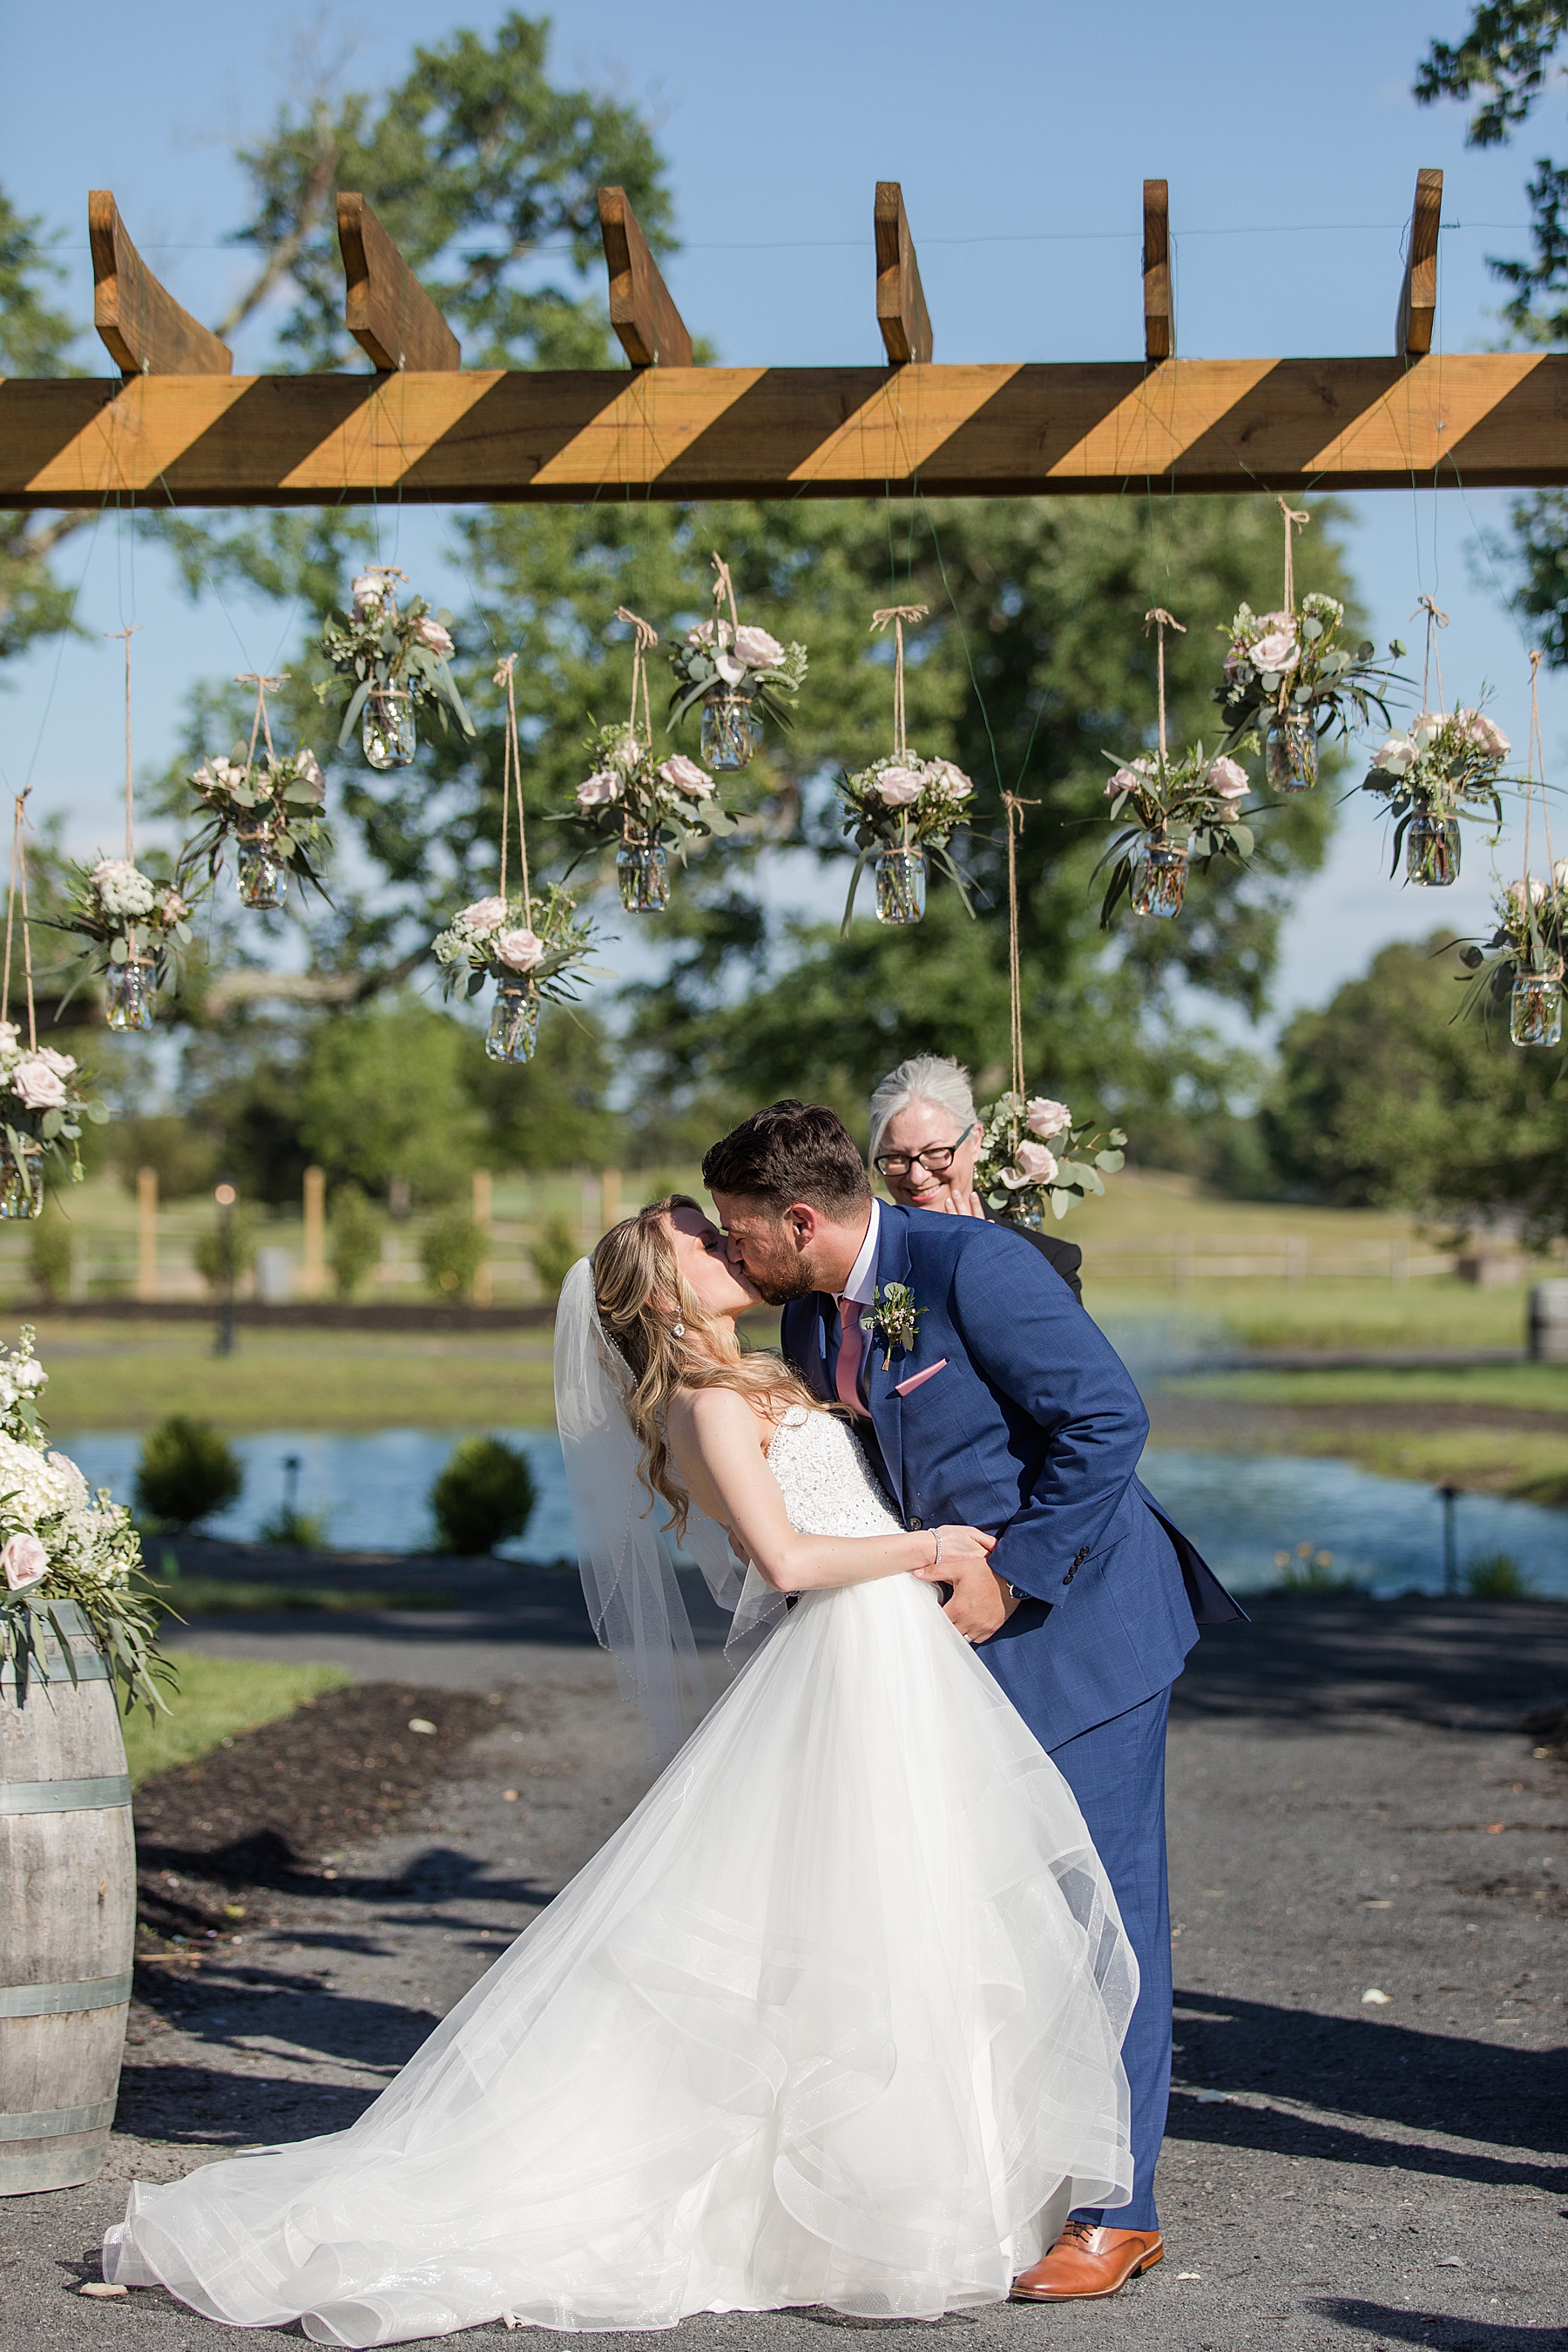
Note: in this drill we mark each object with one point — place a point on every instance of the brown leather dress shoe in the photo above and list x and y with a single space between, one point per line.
1089 2259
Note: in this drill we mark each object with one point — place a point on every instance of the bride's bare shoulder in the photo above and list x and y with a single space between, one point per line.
717 1416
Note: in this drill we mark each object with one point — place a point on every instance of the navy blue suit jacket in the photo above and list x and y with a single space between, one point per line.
1033 1430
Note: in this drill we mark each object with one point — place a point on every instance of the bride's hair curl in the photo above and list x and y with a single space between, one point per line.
641 1295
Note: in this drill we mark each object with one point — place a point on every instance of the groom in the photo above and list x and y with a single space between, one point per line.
987 1398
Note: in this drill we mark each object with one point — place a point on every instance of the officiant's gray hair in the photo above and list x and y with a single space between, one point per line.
934 1078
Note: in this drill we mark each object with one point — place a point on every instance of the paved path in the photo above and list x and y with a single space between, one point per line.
1353 1807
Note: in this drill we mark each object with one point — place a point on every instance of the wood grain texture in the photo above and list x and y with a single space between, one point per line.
902 311
385 308
1418 295
481 436
139 321
1159 312
642 310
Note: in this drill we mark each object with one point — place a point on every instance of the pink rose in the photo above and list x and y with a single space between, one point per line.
1396 756
172 907
25 1561
1278 651
431 633
596 790
757 649
1229 779
484 915
520 950
62 1064
1537 893
369 590
946 781
896 787
1038 1164
1045 1117
39 1087
1484 733
684 775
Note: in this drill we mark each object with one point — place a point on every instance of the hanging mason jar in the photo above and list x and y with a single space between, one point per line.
1535 1010
514 1022
729 731
1290 752
22 1180
901 885
1432 851
387 730
1161 882
642 871
263 877
130 990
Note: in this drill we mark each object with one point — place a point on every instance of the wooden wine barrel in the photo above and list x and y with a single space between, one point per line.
67 1916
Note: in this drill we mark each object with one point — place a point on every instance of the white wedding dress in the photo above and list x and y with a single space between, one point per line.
833 2019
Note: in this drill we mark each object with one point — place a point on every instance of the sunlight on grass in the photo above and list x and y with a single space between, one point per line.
1435 1313
216 1699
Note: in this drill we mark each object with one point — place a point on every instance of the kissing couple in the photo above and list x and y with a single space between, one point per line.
868 2004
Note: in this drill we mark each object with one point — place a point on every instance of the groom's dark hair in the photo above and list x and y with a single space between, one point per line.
790 1151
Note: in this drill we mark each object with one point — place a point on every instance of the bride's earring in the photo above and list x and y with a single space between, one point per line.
679 1330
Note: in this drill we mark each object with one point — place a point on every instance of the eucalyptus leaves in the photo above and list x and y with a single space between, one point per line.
1445 765
1034 1158
1288 680
1180 809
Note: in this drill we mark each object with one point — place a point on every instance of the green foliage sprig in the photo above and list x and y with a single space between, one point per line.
1530 941
1293 664
1445 764
540 940
385 647
282 796
1191 802
631 797
1019 1177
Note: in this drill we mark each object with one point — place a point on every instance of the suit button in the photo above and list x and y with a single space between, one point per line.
915 1526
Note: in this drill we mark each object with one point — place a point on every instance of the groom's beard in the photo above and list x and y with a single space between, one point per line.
782 1291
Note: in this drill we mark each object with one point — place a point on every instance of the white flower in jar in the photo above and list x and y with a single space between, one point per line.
897 787
123 889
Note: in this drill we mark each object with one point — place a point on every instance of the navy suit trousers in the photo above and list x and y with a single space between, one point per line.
1117 1772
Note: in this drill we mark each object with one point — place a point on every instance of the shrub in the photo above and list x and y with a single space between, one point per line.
485 1496
1495 1576
184 1160
353 1240
554 1250
294 1530
452 1248
49 1251
186 1473
207 1250
1308 1570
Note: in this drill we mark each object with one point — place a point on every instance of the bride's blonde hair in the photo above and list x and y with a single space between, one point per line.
641 1295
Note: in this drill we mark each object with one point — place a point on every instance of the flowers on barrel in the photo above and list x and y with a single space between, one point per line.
536 951
1034 1156
902 808
271 807
1290 680
42 1108
1175 810
60 1544
1444 766
394 659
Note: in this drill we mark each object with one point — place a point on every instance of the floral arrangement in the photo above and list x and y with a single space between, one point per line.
126 916
396 658
722 656
512 940
42 1109
904 802
1524 957
62 1544
1180 809
279 798
1288 679
1019 1176
1445 765
630 796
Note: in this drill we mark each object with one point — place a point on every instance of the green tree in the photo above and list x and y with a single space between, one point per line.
353 1240
382 1098
35 340
452 1249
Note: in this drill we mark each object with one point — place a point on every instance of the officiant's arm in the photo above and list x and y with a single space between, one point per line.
717 1441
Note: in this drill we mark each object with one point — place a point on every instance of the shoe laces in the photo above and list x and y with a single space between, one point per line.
1081 2230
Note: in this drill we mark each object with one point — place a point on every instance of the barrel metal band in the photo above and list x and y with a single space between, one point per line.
54 2123
64 2000
64 1796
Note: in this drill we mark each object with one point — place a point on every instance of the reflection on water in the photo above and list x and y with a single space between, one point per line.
1239 1509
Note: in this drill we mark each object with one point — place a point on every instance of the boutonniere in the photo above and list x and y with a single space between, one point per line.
894 1314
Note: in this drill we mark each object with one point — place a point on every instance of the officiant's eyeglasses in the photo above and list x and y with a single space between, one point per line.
936 1159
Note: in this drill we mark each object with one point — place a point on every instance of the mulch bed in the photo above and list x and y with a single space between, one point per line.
271 1811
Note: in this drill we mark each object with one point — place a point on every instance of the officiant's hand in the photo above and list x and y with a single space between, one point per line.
962 1204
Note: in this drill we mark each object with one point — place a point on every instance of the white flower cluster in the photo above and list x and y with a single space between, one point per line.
736 651
899 783
485 933
123 889
48 1519
1455 731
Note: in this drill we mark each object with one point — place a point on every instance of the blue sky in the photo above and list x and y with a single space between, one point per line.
1021 133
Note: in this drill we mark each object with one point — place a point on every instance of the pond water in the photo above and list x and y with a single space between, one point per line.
1239 1509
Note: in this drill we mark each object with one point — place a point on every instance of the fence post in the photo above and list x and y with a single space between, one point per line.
314 1281
147 1234
484 1204
609 1199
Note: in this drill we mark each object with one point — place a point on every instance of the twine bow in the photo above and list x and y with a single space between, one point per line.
511 783
645 638
1435 620
1162 621
264 687
1296 519
724 586
1015 808
19 887
898 614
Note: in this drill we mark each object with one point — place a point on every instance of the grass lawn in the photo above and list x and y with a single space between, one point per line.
1432 1312
217 1596
216 1699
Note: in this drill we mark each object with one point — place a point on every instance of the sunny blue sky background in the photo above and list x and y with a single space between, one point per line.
1021 131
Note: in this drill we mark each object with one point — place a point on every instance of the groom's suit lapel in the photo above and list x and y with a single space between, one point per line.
882 1395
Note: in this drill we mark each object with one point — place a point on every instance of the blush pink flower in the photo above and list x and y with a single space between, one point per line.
1484 733
484 915
431 634
1229 779
1045 1117
369 591
757 649
684 775
25 1560
896 787
594 791
39 1087
1278 652
518 951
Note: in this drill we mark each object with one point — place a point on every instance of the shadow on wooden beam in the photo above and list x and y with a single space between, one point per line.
385 308
1159 309
642 310
900 300
1418 295
141 325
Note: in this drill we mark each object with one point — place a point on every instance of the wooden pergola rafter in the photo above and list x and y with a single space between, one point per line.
181 429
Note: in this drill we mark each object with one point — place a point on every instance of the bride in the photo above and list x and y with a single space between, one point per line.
835 2017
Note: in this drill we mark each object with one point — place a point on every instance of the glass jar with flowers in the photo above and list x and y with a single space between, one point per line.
902 810
43 1109
1036 1159
648 806
395 660
1522 963
740 675
134 930
1180 810
535 949
1444 766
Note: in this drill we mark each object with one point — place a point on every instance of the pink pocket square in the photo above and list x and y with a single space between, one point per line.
906 1388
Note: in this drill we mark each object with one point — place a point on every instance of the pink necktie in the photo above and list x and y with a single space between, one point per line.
851 1351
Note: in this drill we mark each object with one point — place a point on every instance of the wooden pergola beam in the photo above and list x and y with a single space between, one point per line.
385 308
1159 309
140 324
642 310
479 435
1418 295
900 299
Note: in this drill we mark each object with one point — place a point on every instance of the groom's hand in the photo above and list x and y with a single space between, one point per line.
980 1602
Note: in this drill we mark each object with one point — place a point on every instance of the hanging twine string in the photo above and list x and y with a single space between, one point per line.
898 614
1432 661
1162 621
511 781
1535 750
723 586
261 724
645 639
1296 519
1015 808
19 887
130 812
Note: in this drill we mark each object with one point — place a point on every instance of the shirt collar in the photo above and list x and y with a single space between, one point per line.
861 1286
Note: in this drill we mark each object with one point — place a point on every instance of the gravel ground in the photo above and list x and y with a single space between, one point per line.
1357 1805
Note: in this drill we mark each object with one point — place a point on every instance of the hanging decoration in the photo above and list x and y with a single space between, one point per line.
902 808
396 658
42 1105
533 949
1524 955
648 806
1181 809
269 807
1445 765
1288 680
1017 1173
740 675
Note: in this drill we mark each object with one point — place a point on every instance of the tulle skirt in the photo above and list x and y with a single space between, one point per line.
833 2019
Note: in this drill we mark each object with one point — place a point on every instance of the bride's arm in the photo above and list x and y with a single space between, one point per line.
718 1444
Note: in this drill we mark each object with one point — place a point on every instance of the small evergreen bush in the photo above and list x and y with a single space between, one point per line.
353 1240
206 1251
186 1473
1495 1576
452 1248
554 1250
484 1496
49 1252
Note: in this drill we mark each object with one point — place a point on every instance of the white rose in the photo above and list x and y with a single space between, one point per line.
595 790
757 649
28 1375
25 1560
1537 893
1560 874
684 775
369 591
1396 757
484 915
38 1086
1045 1117
1278 651
1484 733
519 951
1229 780
896 787
946 783
431 633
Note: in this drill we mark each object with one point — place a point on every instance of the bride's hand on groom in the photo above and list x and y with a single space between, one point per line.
980 1602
